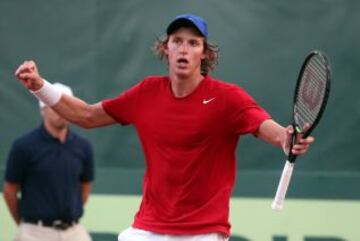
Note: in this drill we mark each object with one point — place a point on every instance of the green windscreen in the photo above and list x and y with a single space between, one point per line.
101 48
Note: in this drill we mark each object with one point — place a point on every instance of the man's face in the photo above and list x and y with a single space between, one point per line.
185 51
53 119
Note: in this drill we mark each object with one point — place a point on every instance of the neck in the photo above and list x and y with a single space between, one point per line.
58 133
183 86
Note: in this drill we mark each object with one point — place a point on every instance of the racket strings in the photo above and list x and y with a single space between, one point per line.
311 91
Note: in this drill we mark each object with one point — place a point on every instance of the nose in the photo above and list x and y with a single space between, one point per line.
183 48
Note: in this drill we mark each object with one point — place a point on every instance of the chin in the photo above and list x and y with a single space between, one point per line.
62 125
183 73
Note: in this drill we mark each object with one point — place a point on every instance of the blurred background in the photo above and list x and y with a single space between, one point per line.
101 48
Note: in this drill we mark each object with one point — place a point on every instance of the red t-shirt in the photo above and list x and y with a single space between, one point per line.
189 145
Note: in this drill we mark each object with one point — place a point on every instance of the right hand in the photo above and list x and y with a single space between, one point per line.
29 76
301 144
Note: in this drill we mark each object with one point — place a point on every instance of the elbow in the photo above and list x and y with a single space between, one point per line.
91 116
10 190
84 125
85 122
88 126
84 119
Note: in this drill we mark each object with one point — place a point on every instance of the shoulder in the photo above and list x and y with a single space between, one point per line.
148 86
147 83
154 80
80 145
28 138
25 144
78 138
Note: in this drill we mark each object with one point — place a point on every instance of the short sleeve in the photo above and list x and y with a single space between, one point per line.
17 162
123 107
244 114
88 173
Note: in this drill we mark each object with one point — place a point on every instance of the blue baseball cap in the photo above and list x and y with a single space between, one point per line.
188 20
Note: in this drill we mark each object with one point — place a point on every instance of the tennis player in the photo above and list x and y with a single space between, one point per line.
189 125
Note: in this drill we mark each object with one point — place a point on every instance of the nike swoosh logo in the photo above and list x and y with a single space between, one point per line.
206 101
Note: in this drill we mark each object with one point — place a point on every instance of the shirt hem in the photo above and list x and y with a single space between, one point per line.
161 229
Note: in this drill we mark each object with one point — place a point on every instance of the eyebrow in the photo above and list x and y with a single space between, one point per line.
192 38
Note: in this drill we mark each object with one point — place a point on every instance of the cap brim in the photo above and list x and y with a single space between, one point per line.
182 22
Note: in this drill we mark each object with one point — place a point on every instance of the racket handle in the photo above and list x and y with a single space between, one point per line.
278 202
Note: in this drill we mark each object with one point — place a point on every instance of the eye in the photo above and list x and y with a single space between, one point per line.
176 41
194 43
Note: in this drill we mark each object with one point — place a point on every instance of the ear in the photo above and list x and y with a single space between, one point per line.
166 48
205 52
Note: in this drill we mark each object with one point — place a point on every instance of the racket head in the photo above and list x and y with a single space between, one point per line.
311 92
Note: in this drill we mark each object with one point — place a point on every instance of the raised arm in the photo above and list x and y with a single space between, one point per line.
277 135
71 108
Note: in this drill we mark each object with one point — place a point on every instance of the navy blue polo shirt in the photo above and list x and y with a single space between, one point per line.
50 174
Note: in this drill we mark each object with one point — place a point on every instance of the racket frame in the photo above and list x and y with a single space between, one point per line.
286 175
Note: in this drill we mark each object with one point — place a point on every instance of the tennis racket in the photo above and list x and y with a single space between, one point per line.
310 98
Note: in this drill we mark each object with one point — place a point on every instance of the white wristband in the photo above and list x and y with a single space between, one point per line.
48 94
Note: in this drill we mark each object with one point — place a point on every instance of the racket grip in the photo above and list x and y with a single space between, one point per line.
278 202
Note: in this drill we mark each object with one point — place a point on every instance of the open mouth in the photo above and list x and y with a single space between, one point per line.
182 61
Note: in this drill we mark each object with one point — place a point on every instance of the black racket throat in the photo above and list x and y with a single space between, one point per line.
291 156
297 131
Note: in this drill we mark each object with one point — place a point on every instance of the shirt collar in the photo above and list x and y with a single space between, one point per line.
47 135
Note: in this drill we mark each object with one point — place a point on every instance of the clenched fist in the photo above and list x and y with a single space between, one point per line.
29 76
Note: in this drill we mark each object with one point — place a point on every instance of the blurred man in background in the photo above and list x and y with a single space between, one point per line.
48 178
189 125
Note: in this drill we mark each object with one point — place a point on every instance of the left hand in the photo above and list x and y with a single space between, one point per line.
301 144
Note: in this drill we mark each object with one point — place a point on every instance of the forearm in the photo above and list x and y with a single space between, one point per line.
72 108
85 191
75 111
12 202
277 135
273 133
67 106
